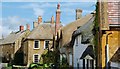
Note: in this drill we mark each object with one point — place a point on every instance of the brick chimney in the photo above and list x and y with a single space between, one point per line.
35 24
57 25
27 26
78 14
21 27
39 19
52 20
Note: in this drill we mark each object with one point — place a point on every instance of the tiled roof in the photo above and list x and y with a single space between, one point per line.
70 28
42 31
12 37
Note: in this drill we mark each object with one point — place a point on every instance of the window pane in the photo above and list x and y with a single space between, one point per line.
36 44
36 59
46 44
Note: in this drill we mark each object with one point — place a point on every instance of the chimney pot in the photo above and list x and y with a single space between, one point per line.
57 25
21 28
78 14
39 19
28 26
35 24
58 6
52 20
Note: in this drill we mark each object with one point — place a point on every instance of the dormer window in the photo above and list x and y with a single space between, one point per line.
36 44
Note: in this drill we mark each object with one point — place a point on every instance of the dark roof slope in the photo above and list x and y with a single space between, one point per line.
70 28
116 56
89 51
86 30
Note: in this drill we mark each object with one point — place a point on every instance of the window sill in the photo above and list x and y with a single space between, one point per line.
36 48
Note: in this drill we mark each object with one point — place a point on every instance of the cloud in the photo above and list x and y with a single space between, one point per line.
87 11
0 28
49 0
18 0
11 23
36 7
30 5
38 11
69 10
5 31
46 4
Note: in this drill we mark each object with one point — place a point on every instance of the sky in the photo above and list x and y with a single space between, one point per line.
15 14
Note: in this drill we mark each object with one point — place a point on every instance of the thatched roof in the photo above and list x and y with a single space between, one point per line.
12 37
42 31
71 27
86 31
1 41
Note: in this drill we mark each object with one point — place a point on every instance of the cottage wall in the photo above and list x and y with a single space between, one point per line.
30 51
7 49
78 50
113 43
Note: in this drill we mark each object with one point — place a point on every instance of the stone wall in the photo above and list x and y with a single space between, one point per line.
113 43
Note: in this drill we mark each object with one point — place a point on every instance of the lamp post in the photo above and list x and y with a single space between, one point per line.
107 50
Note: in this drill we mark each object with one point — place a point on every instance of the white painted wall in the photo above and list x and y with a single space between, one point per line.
78 51
70 59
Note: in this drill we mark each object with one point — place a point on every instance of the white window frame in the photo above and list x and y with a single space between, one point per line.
38 44
38 58
70 59
44 43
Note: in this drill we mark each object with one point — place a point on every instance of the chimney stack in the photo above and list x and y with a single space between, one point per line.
21 28
57 25
78 14
35 24
39 19
28 26
52 20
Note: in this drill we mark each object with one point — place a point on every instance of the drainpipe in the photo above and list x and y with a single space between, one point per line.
107 51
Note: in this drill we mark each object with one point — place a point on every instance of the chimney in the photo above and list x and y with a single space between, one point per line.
57 25
78 14
21 28
52 20
27 26
35 24
39 19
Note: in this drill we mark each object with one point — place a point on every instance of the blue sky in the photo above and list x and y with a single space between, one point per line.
21 13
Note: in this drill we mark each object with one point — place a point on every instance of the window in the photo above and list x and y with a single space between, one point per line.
46 44
36 44
36 58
